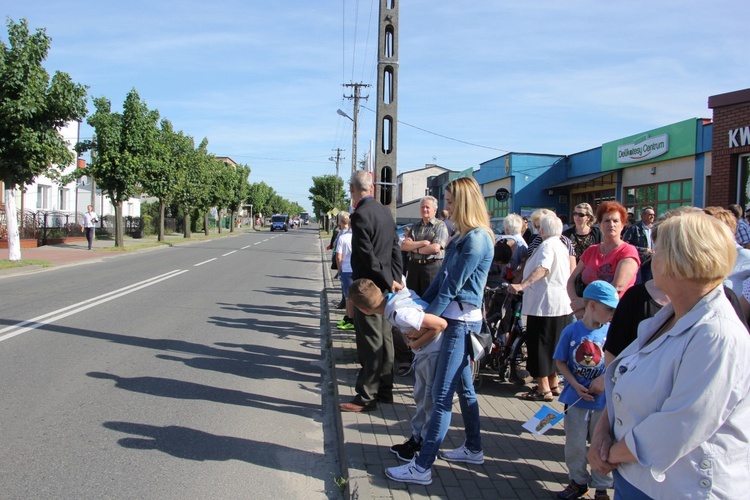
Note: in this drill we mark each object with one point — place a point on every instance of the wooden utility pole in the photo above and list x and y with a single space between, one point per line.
387 109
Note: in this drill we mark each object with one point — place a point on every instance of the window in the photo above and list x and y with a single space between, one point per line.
593 198
663 197
42 197
497 208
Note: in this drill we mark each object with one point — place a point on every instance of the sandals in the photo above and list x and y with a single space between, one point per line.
556 391
537 396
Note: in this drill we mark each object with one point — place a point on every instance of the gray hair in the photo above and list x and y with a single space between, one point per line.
361 181
550 225
430 198
513 224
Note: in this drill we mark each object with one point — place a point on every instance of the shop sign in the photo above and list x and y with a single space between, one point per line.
642 149
739 137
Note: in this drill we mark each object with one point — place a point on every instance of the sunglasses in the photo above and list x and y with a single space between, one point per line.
580 214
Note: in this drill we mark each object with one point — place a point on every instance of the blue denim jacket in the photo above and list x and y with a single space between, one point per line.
463 273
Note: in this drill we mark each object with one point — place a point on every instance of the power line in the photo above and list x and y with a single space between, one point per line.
445 136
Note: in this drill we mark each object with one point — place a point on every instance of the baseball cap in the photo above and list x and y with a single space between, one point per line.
603 292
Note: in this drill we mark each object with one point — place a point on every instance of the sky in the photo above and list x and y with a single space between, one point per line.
263 80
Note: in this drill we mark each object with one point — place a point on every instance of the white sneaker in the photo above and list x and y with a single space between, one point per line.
463 454
409 474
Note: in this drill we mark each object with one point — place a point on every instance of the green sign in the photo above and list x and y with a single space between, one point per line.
660 144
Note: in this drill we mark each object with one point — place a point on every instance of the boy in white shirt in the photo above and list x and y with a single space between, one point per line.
423 334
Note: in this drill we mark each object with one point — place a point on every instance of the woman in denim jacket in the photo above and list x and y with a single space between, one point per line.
456 295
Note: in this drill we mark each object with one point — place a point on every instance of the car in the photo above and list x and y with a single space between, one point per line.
279 222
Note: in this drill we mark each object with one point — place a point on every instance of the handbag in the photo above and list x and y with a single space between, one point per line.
481 342
580 286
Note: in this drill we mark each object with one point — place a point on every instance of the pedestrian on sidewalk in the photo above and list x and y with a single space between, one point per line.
422 333
456 295
89 224
580 359
376 255
344 265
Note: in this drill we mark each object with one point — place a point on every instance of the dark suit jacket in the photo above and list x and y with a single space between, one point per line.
376 254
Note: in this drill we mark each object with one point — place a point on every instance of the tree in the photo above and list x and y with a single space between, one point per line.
191 192
241 189
33 109
221 192
123 144
258 195
159 176
328 193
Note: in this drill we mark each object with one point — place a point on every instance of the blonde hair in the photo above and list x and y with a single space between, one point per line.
469 209
536 216
365 294
585 207
724 216
344 218
696 247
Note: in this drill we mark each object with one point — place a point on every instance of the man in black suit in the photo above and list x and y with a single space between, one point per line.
376 255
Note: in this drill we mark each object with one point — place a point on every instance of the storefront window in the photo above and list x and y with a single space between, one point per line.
593 198
743 198
497 208
662 197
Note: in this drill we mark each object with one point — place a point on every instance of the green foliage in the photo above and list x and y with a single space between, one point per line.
33 108
258 195
328 193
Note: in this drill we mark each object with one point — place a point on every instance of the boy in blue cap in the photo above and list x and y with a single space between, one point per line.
580 359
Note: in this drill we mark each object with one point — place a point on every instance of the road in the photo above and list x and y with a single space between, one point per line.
193 371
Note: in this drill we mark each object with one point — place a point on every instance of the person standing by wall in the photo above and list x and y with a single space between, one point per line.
376 255
89 224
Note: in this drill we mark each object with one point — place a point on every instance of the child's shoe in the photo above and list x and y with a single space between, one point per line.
601 495
573 491
407 450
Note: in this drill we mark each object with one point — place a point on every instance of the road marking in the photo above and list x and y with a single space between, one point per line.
45 319
245 247
229 253
204 262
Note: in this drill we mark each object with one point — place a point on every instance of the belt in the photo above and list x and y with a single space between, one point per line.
423 262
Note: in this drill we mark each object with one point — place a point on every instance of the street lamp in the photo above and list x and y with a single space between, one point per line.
354 136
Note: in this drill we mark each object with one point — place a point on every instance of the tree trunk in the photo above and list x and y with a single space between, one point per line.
205 223
161 220
219 221
119 232
232 220
11 217
186 223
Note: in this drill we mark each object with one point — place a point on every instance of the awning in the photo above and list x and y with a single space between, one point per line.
579 179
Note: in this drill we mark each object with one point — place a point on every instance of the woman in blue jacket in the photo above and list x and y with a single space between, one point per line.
456 295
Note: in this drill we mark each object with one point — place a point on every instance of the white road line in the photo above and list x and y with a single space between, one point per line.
229 253
204 262
245 247
32 324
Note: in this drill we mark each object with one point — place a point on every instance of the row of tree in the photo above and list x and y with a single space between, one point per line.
132 152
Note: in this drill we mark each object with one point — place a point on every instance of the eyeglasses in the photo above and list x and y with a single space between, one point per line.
580 214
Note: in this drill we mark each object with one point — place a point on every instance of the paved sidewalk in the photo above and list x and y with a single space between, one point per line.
517 463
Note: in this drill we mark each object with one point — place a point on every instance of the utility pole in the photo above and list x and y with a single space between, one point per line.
355 95
387 109
337 159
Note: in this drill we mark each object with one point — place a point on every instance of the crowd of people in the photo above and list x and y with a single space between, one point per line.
645 322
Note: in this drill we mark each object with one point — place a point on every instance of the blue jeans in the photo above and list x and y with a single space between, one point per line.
453 372
626 491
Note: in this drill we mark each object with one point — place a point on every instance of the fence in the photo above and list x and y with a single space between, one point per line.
46 226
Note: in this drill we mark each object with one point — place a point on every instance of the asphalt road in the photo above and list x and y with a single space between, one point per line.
186 372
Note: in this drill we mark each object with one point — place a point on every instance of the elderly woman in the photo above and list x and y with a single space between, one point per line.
547 306
583 234
612 260
677 413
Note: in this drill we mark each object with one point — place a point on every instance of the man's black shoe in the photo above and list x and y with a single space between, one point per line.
341 305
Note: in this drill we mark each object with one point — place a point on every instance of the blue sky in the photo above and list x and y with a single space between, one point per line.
262 80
